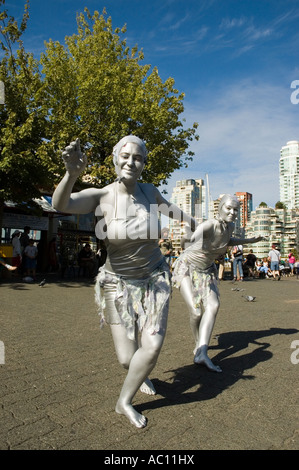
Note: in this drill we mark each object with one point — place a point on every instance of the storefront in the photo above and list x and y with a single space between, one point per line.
70 232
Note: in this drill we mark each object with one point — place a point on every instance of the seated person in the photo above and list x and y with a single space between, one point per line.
263 268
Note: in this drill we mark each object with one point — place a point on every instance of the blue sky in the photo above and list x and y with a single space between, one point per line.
234 60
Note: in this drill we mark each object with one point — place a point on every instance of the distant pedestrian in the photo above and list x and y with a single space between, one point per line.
52 256
16 248
274 258
86 260
166 249
24 240
30 254
250 262
238 261
292 261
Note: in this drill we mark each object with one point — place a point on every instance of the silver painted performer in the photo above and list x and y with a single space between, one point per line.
195 274
133 287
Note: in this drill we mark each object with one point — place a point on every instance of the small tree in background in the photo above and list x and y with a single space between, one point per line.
98 90
280 205
23 172
94 87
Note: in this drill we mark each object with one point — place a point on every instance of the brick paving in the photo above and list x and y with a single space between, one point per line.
60 378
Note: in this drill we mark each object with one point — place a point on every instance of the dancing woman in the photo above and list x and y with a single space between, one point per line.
195 274
133 287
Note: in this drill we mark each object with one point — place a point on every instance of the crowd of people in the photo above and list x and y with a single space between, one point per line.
27 255
85 262
268 267
243 265
24 253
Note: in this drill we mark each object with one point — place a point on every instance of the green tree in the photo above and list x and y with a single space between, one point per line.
280 205
94 87
22 121
263 204
98 90
23 171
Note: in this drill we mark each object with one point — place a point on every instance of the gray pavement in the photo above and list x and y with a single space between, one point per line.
59 380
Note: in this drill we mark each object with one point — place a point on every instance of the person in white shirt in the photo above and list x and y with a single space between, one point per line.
30 253
274 258
238 261
16 249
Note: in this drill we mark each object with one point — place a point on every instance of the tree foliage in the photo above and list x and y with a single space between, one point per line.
280 205
23 172
93 87
98 90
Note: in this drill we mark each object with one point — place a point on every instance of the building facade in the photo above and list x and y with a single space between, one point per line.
289 174
278 226
190 196
245 200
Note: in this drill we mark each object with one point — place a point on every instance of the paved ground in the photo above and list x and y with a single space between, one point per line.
60 378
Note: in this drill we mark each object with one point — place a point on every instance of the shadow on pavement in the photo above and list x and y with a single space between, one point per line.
178 389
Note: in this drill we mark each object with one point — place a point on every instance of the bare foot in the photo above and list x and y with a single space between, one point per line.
202 358
135 418
148 388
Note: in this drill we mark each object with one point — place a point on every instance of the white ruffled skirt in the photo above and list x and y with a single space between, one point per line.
130 301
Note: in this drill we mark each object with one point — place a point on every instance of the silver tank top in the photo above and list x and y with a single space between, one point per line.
202 254
132 242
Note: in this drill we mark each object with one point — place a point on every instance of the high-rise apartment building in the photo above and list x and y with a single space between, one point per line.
289 174
278 226
190 196
245 200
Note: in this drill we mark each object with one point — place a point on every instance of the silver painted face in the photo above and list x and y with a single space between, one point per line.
130 162
229 211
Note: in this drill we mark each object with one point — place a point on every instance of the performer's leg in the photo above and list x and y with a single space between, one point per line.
201 324
142 363
207 323
124 347
195 317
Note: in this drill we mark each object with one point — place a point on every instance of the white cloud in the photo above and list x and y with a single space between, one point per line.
242 128
255 34
228 23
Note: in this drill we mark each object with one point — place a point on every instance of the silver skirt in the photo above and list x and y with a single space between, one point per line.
130 301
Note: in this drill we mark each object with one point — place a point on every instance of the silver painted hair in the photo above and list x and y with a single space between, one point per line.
227 197
128 138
